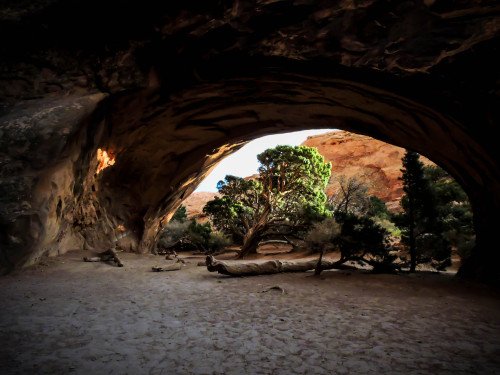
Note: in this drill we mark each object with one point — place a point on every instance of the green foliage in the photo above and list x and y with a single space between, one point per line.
199 235
313 213
190 235
227 213
418 198
453 209
293 169
433 249
377 208
360 237
436 214
365 226
180 214
287 196
388 225
175 229
293 180
322 234
219 241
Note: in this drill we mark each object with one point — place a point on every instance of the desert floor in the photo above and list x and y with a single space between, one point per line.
65 316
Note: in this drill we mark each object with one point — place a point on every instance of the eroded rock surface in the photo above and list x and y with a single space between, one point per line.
169 88
195 202
377 163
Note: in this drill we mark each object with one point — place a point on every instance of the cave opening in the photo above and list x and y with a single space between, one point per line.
365 169
165 146
168 89
158 147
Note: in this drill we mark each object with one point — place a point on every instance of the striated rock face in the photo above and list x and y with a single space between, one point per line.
377 162
169 88
195 202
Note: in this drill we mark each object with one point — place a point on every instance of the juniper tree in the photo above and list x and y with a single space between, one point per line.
287 196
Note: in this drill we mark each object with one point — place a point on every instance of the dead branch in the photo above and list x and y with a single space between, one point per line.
169 267
109 255
274 242
276 287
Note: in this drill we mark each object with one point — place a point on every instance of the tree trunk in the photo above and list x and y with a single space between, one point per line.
251 242
235 268
318 269
250 245
251 268
254 234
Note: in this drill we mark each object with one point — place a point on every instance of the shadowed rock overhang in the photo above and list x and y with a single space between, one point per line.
166 91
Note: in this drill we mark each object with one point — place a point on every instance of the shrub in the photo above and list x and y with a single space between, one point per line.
219 241
377 208
322 234
363 240
388 225
199 235
173 231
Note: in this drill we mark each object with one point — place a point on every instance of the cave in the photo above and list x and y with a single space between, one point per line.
111 115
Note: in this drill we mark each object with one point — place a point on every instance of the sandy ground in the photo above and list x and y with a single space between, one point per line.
71 317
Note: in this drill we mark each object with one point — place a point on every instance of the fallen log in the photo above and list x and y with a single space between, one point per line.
110 255
274 242
106 256
169 267
235 268
176 265
171 256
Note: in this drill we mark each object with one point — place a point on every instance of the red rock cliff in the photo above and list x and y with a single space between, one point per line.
353 154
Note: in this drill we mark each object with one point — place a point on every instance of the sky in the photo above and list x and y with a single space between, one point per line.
244 162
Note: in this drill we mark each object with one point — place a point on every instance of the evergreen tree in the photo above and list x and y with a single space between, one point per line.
420 224
454 210
377 208
180 214
287 196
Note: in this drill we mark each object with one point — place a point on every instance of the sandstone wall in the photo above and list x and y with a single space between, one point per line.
377 162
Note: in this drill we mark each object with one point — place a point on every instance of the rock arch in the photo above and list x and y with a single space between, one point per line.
168 104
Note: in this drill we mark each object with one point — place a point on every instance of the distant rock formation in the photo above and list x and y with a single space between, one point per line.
351 154
195 202
354 154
